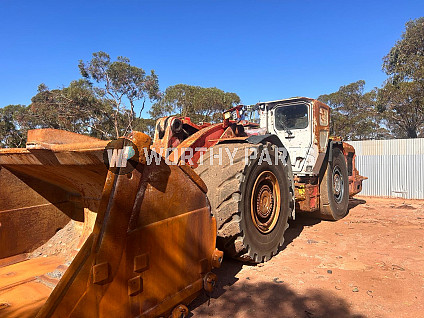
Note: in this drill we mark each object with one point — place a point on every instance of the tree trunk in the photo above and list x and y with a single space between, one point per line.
412 132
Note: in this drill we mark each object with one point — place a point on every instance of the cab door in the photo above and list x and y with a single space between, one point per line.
292 125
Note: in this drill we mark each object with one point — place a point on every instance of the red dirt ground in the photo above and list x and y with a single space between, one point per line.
369 264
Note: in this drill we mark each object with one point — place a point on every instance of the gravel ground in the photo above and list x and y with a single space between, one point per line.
63 243
369 264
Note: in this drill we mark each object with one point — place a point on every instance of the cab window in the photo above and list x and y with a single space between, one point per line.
291 117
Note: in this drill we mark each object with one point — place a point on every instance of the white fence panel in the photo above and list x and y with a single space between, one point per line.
395 168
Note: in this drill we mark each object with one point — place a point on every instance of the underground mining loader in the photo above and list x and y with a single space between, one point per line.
136 237
260 174
80 240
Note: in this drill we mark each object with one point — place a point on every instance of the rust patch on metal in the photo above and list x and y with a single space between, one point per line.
4 305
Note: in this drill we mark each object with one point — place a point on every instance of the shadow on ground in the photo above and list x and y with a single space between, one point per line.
296 227
353 202
265 299
304 220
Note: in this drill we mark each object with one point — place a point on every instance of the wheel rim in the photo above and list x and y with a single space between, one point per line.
338 185
265 202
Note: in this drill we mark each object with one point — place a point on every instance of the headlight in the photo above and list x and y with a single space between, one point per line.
227 115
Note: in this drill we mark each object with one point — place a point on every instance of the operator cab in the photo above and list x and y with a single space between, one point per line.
302 125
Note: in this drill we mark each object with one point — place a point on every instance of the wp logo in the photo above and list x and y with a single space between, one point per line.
121 156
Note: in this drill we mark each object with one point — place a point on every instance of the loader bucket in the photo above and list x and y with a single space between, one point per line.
152 245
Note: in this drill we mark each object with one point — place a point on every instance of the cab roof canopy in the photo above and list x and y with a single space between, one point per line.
288 101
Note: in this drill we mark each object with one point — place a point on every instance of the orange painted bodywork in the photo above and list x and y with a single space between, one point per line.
151 248
306 189
355 179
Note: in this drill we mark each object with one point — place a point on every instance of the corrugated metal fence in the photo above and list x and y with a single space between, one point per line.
395 168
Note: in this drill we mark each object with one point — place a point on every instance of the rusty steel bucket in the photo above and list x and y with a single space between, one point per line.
144 241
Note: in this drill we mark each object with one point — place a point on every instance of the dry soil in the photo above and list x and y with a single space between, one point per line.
369 264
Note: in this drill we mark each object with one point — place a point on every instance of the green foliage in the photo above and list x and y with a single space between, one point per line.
199 103
119 83
97 104
75 108
353 114
405 61
103 103
146 125
401 100
12 126
402 106
398 106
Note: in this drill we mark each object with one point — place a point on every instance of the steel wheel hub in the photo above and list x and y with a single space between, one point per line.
265 202
338 185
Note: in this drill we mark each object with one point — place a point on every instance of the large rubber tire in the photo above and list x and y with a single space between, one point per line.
230 190
334 188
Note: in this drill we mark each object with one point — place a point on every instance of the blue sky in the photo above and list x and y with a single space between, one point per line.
261 50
